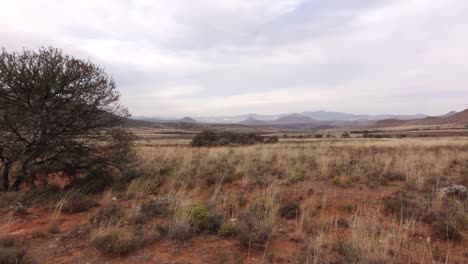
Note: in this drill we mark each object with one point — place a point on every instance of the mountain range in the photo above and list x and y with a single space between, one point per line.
451 118
305 121
297 118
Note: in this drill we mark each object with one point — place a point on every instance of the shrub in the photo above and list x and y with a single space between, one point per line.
257 223
341 181
402 204
346 248
228 230
345 135
12 251
447 230
271 140
290 210
97 179
109 214
450 220
12 255
180 229
78 202
393 176
142 187
213 138
198 217
307 255
155 206
115 241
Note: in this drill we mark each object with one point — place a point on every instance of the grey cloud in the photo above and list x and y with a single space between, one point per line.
269 56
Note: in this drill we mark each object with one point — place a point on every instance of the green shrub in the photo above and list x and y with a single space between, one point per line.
228 230
342 181
198 217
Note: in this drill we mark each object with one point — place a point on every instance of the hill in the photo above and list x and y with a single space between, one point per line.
451 118
252 122
294 119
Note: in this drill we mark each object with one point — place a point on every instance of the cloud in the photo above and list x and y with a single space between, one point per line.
200 57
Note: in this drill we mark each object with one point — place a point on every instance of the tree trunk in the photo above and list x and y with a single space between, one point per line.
21 176
5 175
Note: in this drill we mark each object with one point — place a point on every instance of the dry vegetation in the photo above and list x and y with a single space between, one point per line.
317 201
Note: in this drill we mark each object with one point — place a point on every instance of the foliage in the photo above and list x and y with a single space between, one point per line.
54 109
257 223
198 217
213 138
341 181
77 203
228 230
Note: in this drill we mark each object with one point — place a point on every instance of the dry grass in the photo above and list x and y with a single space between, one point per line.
293 191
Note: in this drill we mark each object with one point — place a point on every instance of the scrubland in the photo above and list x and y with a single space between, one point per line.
315 201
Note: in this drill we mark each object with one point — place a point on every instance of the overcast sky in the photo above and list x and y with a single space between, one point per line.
222 57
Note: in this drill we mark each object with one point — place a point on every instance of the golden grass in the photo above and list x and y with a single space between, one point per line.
244 175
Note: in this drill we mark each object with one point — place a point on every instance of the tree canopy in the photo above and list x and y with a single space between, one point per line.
53 109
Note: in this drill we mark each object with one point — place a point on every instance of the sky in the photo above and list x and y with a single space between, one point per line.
176 58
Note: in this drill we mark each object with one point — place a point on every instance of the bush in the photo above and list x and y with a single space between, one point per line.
228 230
342 181
12 255
109 214
257 223
77 203
155 206
97 179
447 230
402 204
115 241
290 210
180 230
350 252
199 218
213 138
12 251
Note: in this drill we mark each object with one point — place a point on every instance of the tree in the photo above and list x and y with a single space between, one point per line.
53 109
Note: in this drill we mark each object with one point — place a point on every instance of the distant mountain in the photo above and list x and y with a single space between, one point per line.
451 113
327 115
451 118
313 117
235 119
252 122
187 120
164 120
293 119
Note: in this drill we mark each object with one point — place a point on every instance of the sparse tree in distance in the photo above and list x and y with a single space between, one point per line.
54 110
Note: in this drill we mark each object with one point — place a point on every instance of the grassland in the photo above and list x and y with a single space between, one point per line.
298 201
